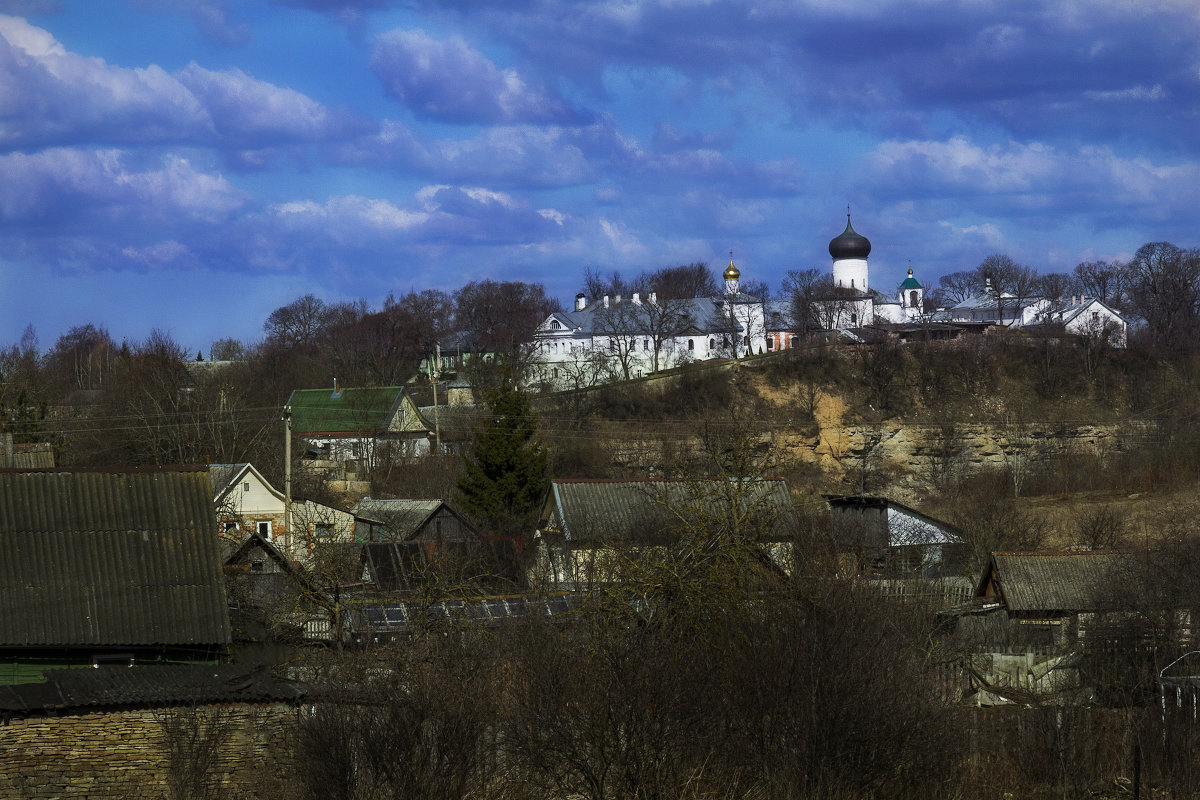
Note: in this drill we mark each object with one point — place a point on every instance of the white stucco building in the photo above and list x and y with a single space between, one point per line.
614 337
1079 315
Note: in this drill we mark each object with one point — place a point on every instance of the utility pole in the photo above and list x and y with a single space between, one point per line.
287 475
434 372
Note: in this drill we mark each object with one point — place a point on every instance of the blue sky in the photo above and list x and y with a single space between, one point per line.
191 165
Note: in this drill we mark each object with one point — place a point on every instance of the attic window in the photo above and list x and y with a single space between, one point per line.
555 325
246 486
256 566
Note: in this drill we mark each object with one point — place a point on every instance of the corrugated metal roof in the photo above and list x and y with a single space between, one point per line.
1034 582
597 509
156 684
403 517
109 558
220 475
350 410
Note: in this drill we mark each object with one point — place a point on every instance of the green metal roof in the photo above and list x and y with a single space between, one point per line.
911 283
352 410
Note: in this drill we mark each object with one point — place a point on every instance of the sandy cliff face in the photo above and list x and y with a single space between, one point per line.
924 451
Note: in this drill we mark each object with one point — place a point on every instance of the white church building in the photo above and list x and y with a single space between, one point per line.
849 301
614 337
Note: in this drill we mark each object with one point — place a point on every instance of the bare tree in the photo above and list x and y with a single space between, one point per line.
193 738
958 286
1055 286
1164 288
297 324
1103 280
683 282
620 324
803 287
1013 284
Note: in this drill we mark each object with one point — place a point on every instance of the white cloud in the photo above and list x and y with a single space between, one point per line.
50 95
351 210
1135 93
83 184
624 243
450 80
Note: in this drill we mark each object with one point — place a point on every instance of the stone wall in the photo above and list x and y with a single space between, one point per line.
126 753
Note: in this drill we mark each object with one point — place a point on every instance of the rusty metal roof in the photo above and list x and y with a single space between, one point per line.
602 509
1036 582
123 558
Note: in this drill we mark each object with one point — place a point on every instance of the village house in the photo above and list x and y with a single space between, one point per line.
1028 617
366 426
410 540
246 502
410 520
585 524
108 567
883 538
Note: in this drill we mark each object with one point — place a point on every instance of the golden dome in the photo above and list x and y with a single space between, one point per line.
731 272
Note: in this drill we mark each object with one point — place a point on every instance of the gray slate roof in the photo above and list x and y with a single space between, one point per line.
403 517
1036 582
109 558
987 302
598 510
219 475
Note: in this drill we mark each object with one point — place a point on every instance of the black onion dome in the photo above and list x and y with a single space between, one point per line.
850 244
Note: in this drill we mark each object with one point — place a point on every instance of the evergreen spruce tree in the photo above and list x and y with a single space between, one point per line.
505 478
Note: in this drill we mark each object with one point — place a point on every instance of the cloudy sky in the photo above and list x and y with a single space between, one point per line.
190 165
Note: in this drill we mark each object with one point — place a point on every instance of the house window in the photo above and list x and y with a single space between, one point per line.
691 344
852 283
231 526
554 325
612 345
712 344
256 566
645 344
264 529
854 319
770 342
1095 315
246 486
555 372
324 530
